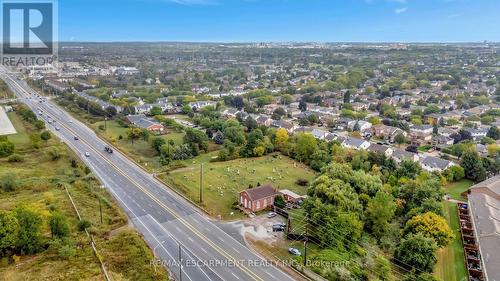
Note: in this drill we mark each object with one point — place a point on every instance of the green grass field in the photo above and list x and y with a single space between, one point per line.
126 255
454 189
224 180
141 151
450 265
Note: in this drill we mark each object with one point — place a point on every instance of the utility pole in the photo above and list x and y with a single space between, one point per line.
105 119
100 208
201 182
305 244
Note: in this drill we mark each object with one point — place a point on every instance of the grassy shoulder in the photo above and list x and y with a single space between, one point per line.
224 180
40 179
139 150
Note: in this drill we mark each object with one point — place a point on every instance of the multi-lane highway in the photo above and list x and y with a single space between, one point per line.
168 222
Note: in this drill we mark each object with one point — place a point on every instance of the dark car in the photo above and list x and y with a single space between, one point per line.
75 138
278 227
108 149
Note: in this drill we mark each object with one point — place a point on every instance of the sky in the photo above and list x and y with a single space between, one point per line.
280 20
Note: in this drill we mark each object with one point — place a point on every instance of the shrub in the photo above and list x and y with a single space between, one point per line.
66 252
83 224
6 148
301 182
8 182
15 158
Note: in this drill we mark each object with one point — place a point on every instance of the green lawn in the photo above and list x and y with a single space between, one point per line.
454 189
22 136
224 180
450 265
141 151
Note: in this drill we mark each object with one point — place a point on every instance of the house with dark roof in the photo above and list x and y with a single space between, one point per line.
355 143
258 198
143 122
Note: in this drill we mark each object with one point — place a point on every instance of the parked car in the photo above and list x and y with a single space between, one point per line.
278 227
271 215
294 251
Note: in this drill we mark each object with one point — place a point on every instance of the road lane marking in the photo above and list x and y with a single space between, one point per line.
216 247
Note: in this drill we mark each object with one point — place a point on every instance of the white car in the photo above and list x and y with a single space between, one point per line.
87 154
294 251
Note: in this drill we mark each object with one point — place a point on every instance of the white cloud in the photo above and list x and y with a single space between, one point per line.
455 15
401 10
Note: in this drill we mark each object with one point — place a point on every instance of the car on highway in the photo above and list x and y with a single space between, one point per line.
108 149
58 129
294 251
49 121
75 138
71 121
271 215
87 154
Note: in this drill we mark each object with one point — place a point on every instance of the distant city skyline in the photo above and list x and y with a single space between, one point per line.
409 21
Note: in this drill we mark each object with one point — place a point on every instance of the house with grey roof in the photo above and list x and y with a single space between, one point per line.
400 155
484 206
377 148
355 143
432 164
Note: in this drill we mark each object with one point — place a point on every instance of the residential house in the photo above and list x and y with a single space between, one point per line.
287 125
362 125
143 122
384 132
200 104
431 164
441 142
400 155
377 148
477 134
355 143
421 134
258 198
291 197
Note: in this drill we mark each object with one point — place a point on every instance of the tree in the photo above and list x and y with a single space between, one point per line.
380 211
39 124
281 138
472 165
9 229
374 120
454 173
400 139
347 97
279 201
238 102
45 135
286 99
58 225
155 110
29 239
408 169
302 105
133 134
432 226
493 133
417 251
305 147
157 142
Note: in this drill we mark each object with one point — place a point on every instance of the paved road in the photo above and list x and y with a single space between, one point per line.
164 218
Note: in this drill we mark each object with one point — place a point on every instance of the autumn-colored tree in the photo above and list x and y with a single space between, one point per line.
432 226
281 138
